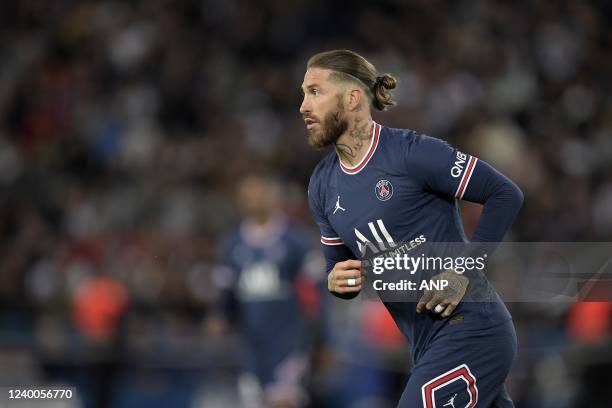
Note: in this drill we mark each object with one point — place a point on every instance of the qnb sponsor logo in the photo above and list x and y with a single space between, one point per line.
259 280
378 231
465 180
459 165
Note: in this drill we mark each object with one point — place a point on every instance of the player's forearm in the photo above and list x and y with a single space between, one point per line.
502 199
499 211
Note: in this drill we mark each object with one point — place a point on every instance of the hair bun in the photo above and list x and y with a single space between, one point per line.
386 81
382 97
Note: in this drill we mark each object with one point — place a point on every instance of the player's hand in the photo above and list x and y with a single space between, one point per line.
448 298
344 274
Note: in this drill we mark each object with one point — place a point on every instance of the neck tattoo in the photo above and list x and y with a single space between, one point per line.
359 134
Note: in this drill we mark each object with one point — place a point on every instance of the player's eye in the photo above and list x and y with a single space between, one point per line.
314 91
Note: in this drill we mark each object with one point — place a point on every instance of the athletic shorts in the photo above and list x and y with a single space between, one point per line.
463 369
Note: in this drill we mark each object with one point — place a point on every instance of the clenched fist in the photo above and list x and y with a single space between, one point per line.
345 277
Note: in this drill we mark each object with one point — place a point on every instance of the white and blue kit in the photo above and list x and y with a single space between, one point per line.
405 191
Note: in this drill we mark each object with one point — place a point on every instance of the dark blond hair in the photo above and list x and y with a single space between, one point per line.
347 65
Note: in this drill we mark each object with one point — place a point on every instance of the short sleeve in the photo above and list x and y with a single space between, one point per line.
440 167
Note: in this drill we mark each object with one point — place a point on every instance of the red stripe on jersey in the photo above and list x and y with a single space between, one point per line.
331 241
466 177
461 371
366 158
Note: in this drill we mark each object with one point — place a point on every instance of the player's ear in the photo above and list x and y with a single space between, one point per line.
355 99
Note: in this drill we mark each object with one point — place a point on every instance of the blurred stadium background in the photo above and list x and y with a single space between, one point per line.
126 126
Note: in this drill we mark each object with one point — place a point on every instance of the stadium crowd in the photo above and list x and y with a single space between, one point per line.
126 126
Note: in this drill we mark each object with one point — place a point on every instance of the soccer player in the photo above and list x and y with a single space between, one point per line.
264 265
382 186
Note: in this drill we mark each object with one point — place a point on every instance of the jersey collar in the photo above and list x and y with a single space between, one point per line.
373 144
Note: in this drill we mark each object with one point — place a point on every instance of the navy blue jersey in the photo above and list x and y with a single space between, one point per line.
405 190
260 271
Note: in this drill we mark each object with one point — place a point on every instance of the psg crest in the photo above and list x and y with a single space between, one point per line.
384 190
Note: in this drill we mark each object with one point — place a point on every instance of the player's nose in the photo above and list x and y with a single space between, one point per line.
305 107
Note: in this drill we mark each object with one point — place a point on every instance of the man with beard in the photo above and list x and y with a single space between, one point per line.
381 187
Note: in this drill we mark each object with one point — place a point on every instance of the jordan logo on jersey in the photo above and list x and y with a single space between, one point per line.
384 190
338 207
378 245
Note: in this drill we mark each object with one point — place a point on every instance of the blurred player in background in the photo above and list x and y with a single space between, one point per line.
269 296
383 188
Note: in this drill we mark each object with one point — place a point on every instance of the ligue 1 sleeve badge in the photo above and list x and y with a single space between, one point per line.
384 190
